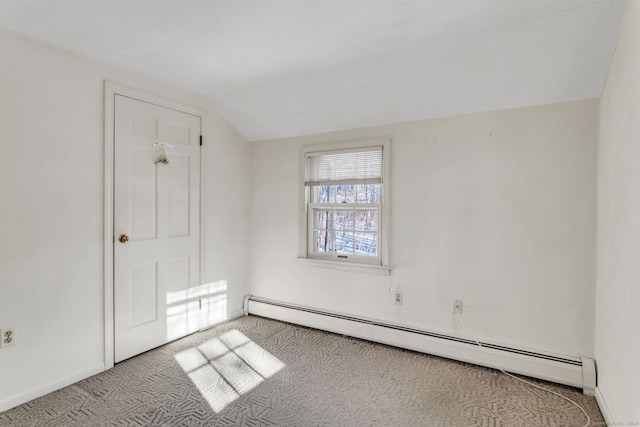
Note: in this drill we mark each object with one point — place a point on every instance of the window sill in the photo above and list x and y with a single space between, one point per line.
344 266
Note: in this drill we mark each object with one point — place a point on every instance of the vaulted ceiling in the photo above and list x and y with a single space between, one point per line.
276 68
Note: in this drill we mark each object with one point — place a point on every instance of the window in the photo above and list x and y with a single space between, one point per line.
344 192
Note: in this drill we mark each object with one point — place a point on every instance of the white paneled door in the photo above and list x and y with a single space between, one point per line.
156 225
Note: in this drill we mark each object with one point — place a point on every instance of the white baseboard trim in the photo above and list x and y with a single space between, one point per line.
34 393
604 408
233 315
560 369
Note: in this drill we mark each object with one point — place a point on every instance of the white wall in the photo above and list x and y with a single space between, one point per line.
51 212
617 345
497 209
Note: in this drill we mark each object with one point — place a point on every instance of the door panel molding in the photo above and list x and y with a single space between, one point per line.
112 89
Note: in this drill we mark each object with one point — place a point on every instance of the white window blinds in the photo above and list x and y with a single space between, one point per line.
358 166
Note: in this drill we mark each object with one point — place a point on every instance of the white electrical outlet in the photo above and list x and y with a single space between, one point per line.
7 337
457 306
398 297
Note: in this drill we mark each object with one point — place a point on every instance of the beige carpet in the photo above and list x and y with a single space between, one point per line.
259 372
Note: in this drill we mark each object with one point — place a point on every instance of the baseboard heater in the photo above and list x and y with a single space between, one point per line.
577 372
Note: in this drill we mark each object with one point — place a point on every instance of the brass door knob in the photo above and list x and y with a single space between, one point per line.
123 238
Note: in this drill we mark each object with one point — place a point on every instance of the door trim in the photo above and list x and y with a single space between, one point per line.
112 89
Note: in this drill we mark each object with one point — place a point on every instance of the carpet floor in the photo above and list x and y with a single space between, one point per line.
254 371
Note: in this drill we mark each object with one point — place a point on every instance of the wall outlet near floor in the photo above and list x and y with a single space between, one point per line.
456 306
398 297
7 337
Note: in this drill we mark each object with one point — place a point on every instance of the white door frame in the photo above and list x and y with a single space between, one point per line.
110 91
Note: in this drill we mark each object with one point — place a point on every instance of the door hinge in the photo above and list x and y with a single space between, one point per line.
201 140
200 304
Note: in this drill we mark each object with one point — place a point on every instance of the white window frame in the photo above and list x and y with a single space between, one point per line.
376 265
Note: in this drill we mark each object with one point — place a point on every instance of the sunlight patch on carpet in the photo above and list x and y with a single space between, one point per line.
226 367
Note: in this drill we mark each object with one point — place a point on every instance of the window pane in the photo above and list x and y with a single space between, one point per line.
343 219
366 244
344 242
366 220
345 193
321 218
323 241
324 194
368 193
362 193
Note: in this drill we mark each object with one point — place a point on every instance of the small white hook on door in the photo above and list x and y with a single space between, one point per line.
160 153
